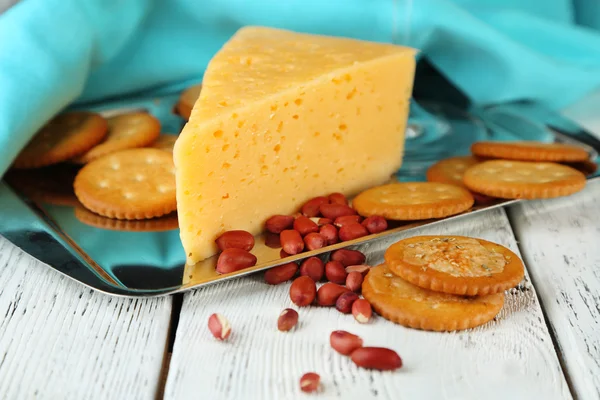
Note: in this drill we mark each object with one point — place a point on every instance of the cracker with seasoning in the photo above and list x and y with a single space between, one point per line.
455 264
406 304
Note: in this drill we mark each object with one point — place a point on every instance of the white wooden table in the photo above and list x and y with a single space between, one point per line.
59 340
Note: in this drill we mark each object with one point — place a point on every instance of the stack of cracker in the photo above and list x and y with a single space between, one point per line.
442 283
516 170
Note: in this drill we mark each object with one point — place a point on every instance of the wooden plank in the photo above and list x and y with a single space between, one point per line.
512 357
60 340
560 240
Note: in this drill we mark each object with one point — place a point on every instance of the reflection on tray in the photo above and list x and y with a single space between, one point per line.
135 254
165 223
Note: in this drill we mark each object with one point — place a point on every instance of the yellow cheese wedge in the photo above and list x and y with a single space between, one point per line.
283 117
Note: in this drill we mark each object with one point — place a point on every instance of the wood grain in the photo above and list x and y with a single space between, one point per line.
560 240
512 357
60 340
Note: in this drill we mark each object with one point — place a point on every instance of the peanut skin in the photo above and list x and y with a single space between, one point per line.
303 291
235 239
279 223
348 257
231 260
378 358
328 294
281 273
344 342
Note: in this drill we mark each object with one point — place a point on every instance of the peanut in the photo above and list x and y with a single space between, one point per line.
344 303
231 260
348 257
376 358
303 291
328 294
330 233
219 326
281 273
332 211
310 382
314 241
352 231
305 226
347 219
362 311
363 269
338 198
324 221
312 267
311 207
319 221
287 320
354 281
235 240
291 241
345 342
283 254
335 272
375 224
272 240
279 223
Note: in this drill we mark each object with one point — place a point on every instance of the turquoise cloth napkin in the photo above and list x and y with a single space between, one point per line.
57 53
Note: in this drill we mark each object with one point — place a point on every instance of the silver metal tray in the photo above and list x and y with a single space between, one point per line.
145 258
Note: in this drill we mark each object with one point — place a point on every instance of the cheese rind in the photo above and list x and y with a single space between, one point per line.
283 117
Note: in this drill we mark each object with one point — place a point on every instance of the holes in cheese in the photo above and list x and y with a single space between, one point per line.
284 117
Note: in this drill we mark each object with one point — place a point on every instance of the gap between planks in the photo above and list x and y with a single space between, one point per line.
177 300
60 340
561 245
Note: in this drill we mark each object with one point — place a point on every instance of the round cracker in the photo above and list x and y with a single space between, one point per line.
406 304
130 184
63 137
450 170
455 264
523 180
530 151
159 224
165 142
187 100
413 201
126 131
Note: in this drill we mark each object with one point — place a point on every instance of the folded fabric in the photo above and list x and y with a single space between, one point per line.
56 53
